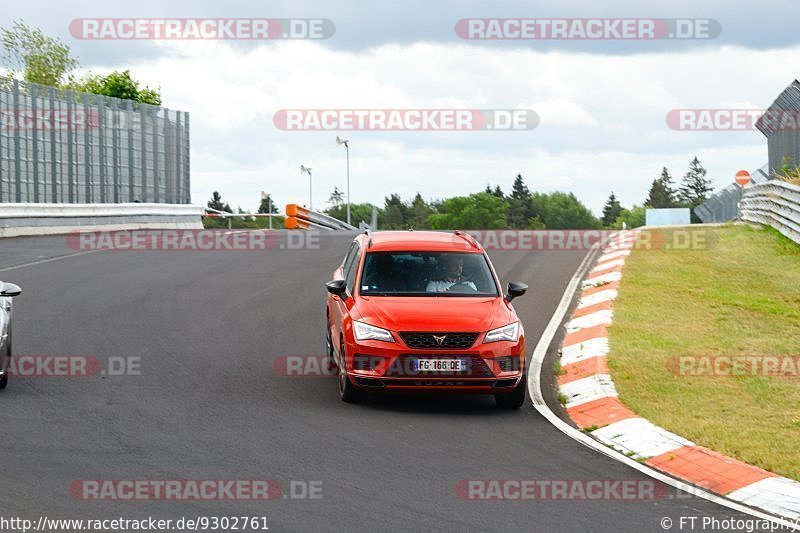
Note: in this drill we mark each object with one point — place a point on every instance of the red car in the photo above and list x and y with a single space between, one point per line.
423 311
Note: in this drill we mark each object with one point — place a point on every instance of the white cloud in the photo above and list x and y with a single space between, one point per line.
603 116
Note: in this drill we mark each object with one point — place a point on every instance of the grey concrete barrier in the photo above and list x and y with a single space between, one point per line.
19 219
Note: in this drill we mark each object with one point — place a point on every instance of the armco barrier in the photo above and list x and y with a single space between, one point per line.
775 203
18 219
298 217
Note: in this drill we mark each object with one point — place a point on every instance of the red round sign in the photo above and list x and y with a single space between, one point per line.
743 177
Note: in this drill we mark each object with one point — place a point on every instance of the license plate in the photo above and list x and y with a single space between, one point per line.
438 365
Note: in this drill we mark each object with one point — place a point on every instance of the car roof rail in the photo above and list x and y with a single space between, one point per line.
469 238
368 233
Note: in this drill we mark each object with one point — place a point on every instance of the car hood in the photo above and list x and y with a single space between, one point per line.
443 313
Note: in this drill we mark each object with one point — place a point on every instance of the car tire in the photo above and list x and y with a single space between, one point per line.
347 391
514 399
331 361
4 378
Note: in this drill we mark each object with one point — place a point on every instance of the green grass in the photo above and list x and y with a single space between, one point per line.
741 296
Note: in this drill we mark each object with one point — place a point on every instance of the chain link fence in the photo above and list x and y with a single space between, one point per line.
61 146
723 205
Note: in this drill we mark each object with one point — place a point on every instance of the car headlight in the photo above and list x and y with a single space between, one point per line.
506 333
365 332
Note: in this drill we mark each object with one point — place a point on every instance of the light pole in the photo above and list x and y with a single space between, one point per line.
268 198
346 144
307 170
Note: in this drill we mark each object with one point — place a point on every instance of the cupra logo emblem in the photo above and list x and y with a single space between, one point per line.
439 339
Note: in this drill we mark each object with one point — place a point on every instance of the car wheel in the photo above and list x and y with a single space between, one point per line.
331 362
6 361
513 399
347 391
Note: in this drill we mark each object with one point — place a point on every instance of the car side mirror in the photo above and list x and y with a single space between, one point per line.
515 289
337 287
9 290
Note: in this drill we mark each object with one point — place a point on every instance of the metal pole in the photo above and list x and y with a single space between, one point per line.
347 149
269 210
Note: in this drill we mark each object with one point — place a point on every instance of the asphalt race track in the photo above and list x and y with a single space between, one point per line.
207 327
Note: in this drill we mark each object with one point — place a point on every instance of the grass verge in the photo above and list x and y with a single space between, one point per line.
740 296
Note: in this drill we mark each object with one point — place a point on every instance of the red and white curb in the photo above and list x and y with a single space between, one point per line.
590 399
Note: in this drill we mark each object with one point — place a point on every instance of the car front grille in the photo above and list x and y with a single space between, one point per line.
439 341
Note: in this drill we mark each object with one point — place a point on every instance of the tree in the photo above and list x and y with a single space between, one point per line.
662 193
267 205
520 208
336 198
358 213
560 210
695 186
611 210
35 56
394 214
118 85
419 213
217 204
497 191
633 218
477 211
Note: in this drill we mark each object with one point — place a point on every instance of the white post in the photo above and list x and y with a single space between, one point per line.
347 148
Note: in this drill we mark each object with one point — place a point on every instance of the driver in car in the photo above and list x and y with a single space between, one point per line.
453 269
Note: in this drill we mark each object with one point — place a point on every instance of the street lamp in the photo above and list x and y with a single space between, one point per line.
346 144
307 170
268 198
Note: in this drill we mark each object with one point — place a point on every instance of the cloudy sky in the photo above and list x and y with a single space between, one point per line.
602 104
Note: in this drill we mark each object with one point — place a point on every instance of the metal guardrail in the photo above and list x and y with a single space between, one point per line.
774 203
298 217
19 219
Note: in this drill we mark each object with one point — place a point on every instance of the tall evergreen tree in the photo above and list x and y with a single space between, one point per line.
520 204
267 205
520 191
695 186
420 211
395 213
336 198
611 210
662 192
217 203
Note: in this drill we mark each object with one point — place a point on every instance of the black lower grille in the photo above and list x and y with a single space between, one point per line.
437 383
439 341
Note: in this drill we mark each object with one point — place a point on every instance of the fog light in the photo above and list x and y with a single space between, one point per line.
508 363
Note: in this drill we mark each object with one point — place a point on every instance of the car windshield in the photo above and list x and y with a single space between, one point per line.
427 274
